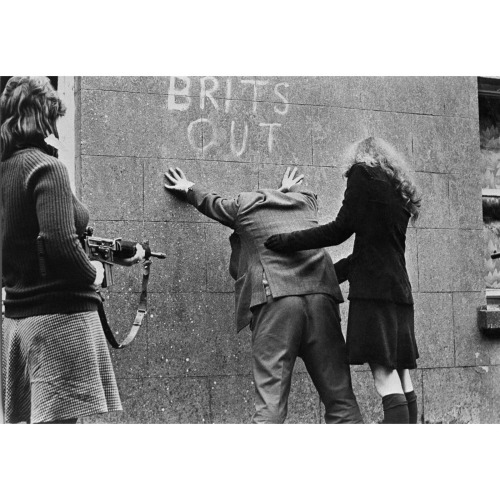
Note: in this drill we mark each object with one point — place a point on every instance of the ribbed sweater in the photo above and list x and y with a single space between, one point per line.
37 200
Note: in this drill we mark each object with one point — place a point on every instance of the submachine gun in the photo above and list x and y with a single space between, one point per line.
107 251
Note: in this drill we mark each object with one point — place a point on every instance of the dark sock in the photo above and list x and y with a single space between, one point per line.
411 398
395 409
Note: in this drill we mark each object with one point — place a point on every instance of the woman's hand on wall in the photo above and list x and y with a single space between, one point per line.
178 180
289 180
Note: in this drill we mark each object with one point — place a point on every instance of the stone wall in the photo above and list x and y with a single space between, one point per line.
188 364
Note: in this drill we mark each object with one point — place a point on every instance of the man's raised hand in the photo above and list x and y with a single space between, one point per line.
289 180
178 180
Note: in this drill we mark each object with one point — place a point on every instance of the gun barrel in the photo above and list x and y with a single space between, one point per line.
495 255
159 255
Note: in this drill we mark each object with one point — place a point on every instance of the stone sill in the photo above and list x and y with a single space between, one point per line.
488 319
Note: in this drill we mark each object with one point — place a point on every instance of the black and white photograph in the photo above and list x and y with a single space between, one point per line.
241 228
318 248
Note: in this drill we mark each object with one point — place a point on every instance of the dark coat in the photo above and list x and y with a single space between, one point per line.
373 211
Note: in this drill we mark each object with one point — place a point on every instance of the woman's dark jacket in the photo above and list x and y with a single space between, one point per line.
376 213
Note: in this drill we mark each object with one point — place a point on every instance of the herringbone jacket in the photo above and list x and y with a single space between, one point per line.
254 216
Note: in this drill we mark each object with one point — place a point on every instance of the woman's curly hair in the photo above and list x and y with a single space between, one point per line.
29 108
376 152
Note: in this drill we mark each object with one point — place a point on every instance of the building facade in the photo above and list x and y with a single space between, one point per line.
233 134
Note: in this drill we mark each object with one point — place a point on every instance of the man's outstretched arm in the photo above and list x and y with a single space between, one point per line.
212 205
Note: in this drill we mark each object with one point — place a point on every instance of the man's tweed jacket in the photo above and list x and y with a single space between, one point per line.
255 216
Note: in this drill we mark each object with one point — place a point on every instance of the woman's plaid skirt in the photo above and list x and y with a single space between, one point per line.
56 367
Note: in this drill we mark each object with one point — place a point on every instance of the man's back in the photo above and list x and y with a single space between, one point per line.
255 216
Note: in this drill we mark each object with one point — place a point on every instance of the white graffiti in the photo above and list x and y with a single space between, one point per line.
239 152
270 138
204 93
181 95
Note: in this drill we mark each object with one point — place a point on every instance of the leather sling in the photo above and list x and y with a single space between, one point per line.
141 312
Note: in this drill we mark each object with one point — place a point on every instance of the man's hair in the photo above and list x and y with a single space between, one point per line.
376 152
29 108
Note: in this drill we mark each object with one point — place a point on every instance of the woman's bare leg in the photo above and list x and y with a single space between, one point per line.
389 386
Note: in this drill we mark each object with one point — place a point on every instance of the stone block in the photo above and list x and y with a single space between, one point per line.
112 188
472 348
431 139
407 94
218 253
462 144
185 268
120 123
333 130
232 399
336 91
135 409
137 125
230 351
121 309
462 395
126 279
445 144
369 402
434 329
177 400
116 83
411 257
435 210
179 135
395 128
436 266
178 339
466 210
163 205
252 131
460 96
229 178
303 401
467 254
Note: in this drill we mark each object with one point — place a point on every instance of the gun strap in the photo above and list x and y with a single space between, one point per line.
141 312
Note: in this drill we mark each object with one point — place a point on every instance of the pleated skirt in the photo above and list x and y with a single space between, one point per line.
381 332
56 367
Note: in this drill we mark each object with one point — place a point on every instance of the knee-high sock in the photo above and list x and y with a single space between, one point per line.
411 398
395 409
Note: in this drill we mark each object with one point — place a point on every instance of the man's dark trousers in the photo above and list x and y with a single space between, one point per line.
307 326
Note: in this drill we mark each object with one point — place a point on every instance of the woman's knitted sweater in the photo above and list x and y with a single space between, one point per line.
37 201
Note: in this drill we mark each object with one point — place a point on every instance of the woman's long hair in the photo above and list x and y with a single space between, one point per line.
29 108
376 152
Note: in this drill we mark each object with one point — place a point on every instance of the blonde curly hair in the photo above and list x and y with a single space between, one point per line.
29 108
376 152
